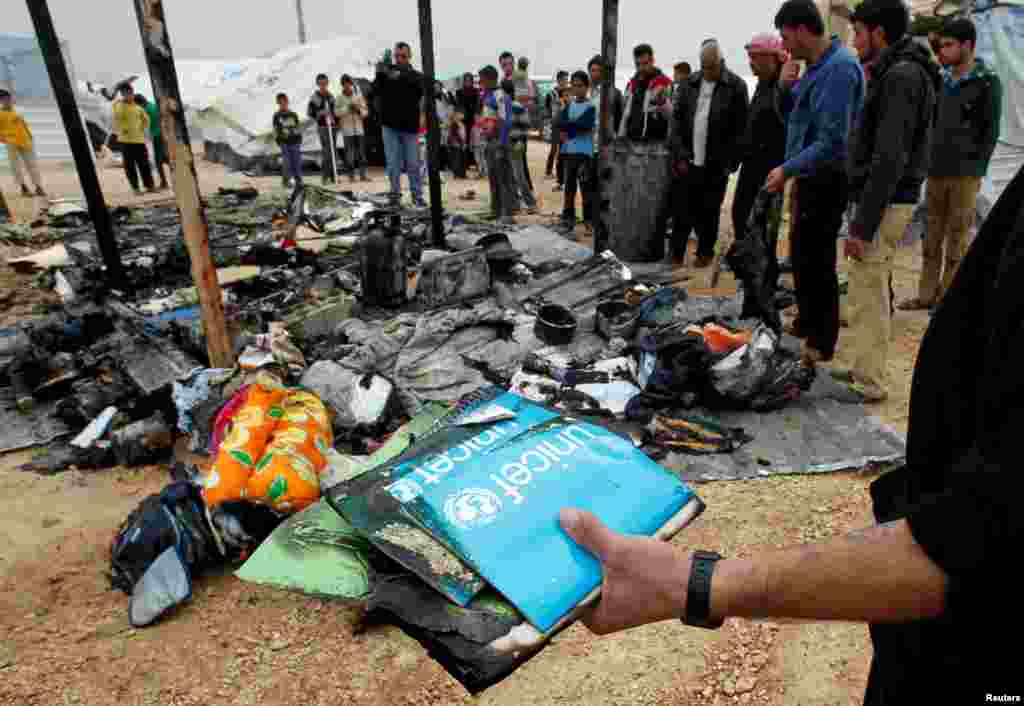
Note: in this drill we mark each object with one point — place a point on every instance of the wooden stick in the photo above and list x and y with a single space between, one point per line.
160 59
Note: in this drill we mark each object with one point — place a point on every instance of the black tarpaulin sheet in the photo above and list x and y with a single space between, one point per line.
825 431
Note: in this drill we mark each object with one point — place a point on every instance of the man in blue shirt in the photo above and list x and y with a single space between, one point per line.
823 109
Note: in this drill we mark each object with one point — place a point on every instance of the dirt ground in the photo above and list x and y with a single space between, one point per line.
65 637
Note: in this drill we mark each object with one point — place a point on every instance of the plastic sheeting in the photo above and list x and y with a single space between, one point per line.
232 102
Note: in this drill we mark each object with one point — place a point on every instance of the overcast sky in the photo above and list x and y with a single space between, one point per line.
466 35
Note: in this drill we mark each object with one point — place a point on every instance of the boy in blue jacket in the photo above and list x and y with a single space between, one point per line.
577 123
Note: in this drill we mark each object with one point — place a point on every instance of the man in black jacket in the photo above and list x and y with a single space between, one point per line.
934 577
888 163
398 90
710 120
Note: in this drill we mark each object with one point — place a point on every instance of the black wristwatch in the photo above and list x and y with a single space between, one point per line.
698 591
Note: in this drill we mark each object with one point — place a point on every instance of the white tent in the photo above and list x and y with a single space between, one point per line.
233 102
1001 45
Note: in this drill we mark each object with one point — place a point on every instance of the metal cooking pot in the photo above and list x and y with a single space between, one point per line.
555 325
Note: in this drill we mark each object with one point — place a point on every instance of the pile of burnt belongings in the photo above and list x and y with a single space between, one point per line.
439 518
172 537
717 367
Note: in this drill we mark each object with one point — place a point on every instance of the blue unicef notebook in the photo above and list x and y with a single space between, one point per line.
494 501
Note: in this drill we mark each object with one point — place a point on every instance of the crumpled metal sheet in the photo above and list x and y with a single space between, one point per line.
152 367
23 430
823 432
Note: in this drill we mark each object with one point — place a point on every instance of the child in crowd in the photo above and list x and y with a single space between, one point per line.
352 111
479 147
288 134
496 129
159 148
15 134
131 123
577 123
519 133
457 145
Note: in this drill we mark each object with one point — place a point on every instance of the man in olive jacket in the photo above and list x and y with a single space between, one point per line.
966 132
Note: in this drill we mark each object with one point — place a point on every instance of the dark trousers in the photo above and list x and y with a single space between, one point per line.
556 161
328 152
291 161
355 154
457 157
817 215
579 170
160 157
752 178
504 195
136 161
699 209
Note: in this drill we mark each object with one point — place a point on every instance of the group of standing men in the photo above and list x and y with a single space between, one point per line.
864 132
857 136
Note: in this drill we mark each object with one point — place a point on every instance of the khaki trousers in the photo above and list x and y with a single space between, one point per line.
26 157
951 207
868 295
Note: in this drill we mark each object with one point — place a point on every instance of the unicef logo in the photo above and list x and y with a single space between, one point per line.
405 490
472 508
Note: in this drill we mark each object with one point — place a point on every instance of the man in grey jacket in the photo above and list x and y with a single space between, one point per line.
888 164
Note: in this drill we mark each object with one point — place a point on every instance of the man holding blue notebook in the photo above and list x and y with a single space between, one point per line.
933 577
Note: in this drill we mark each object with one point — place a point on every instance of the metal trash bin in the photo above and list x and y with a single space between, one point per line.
637 191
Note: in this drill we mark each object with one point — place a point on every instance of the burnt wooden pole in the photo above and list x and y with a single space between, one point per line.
433 131
609 52
302 21
81 149
156 45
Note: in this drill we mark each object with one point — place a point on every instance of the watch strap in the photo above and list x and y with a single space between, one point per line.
698 591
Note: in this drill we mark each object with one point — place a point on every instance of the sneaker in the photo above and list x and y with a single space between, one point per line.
915 304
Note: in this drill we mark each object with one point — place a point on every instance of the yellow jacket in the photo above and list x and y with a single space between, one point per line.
14 130
130 123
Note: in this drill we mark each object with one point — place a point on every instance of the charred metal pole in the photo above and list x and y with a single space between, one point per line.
81 148
302 21
609 52
433 131
157 48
